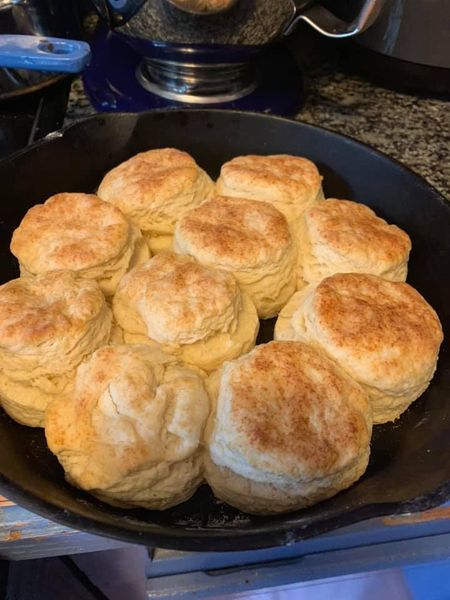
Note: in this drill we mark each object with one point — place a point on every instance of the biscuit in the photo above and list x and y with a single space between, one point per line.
81 233
48 325
249 238
290 183
288 429
382 333
154 189
191 310
340 236
130 432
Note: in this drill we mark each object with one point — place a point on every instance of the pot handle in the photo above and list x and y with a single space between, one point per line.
37 53
326 23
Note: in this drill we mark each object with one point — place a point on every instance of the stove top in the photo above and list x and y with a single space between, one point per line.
30 108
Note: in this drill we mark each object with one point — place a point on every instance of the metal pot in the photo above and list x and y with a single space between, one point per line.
247 23
30 55
198 58
414 31
409 46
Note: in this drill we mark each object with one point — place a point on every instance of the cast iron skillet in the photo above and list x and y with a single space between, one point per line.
409 468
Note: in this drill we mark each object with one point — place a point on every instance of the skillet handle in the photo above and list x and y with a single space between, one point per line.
326 23
38 53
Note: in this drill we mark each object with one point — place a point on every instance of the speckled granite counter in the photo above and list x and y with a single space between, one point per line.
411 129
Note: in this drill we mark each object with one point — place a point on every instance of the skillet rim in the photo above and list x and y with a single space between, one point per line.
58 133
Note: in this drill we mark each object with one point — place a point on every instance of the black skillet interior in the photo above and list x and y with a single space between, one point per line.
410 463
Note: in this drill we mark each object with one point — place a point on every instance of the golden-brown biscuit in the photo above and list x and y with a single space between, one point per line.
191 310
48 325
382 333
288 429
130 432
251 239
340 236
154 189
290 183
81 233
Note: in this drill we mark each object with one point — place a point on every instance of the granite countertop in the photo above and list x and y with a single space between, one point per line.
412 129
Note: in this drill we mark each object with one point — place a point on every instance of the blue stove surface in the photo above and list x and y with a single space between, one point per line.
111 84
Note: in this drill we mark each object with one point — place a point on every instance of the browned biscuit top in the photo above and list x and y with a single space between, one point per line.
70 231
294 412
351 228
288 177
41 311
234 232
179 299
149 179
386 324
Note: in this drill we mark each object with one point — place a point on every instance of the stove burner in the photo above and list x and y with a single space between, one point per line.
119 79
198 83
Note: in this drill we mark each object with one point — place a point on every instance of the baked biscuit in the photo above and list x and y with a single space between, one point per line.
48 325
251 239
130 432
78 232
154 189
191 310
340 236
383 334
288 429
290 183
